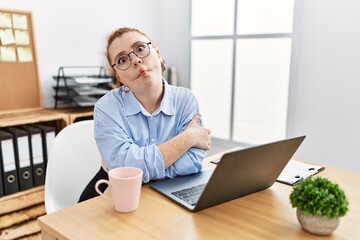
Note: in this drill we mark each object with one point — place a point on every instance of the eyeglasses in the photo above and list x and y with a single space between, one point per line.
141 50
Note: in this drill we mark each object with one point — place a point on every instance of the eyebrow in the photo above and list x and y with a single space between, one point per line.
123 52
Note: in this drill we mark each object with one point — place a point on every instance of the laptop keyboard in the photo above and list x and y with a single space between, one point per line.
191 194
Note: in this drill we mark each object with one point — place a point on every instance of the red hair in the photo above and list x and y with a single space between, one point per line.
116 34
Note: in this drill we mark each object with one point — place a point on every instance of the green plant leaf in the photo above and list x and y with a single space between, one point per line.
319 196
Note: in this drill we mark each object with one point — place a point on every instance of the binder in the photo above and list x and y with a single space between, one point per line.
36 154
7 162
22 157
2 193
48 136
295 171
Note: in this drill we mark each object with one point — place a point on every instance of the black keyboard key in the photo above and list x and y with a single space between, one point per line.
190 195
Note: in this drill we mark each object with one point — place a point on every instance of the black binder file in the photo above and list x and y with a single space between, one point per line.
7 162
36 154
2 193
48 136
22 157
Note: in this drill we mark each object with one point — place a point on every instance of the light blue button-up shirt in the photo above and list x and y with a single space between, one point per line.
127 135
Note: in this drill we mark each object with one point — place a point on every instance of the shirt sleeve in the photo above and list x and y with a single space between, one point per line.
191 161
116 142
119 150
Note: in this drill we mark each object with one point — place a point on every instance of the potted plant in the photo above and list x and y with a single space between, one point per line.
320 203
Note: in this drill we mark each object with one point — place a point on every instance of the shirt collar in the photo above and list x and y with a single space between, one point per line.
132 105
167 103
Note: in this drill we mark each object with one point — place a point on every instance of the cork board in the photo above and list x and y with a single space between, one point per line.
20 89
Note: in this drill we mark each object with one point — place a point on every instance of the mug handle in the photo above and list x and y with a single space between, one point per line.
97 188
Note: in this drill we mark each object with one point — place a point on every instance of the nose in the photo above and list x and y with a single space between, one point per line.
135 60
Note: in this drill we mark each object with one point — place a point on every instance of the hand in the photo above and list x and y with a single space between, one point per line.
200 136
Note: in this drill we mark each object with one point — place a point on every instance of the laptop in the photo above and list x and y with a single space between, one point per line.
237 174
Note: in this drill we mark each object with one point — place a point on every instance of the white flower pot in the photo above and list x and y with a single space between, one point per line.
317 224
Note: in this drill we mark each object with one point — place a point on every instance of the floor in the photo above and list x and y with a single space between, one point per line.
218 145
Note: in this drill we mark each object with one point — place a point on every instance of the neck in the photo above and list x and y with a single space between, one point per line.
152 99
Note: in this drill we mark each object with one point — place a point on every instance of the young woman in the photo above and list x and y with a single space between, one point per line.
146 122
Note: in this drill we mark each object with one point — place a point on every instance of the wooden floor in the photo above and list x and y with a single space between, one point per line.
18 212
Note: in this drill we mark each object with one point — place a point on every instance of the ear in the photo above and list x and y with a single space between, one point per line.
158 54
118 81
117 78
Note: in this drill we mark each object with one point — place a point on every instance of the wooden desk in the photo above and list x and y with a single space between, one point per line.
264 215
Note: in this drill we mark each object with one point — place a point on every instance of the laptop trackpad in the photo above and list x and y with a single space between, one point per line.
178 187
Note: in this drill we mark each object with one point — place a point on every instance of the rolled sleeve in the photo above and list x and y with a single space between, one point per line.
126 135
119 153
190 162
118 149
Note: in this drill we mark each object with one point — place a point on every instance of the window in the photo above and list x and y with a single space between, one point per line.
240 65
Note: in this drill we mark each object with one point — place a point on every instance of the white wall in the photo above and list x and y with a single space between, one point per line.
324 98
175 35
324 94
69 33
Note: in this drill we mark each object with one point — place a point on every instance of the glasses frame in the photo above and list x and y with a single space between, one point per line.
133 51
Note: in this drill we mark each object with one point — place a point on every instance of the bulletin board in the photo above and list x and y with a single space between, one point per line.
20 88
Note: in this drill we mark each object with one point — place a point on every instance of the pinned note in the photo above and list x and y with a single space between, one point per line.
25 54
7 54
19 21
22 37
5 20
7 37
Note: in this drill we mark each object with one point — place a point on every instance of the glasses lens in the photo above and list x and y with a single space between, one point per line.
142 50
122 62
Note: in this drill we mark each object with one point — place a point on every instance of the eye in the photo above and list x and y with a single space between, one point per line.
122 60
141 47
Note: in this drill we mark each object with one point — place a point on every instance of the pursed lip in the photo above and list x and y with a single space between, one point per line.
141 71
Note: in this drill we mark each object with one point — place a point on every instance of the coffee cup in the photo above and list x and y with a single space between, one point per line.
125 188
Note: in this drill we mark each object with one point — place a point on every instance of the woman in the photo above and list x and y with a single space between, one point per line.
146 122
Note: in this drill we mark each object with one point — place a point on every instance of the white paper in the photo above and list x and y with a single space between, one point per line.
7 36
50 136
8 155
25 54
19 21
36 144
22 37
5 20
94 80
7 54
294 171
24 152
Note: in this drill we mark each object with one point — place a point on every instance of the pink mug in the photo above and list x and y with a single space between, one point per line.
125 187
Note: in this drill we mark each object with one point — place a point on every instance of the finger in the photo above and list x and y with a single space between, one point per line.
195 119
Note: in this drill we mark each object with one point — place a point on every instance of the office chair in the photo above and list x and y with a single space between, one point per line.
73 161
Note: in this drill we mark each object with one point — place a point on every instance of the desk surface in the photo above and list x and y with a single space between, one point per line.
263 215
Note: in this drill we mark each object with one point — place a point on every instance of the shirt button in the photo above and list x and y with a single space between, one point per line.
151 118
153 140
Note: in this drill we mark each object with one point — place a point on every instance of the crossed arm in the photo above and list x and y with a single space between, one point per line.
193 136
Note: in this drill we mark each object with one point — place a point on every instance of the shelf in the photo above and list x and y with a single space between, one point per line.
28 117
21 200
81 86
75 114
19 211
